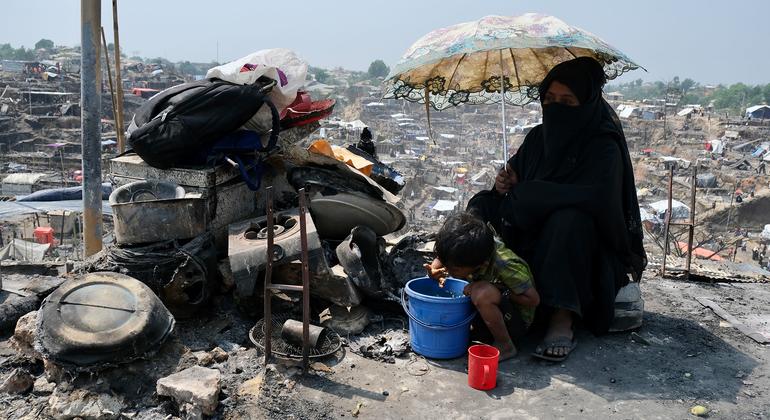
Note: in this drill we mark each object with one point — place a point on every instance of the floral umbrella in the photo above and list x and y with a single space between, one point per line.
465 63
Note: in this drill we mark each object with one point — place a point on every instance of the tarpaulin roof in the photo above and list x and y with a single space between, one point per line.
450 190
756 108
678 209
24 179
445 205
21 250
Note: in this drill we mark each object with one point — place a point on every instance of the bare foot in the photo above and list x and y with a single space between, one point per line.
507 351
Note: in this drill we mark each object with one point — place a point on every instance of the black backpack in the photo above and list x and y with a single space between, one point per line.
175 125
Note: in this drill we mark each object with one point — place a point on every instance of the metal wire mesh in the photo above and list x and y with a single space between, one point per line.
328 344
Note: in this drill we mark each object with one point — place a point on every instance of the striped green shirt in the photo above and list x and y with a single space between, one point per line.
508 269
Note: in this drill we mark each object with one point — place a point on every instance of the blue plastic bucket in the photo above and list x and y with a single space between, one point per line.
439 317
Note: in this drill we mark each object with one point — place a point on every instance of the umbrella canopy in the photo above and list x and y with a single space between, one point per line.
464 63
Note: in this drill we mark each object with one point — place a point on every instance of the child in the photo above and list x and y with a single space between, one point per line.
500 285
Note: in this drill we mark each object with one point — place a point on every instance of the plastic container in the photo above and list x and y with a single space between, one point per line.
43 235
482 366
439 317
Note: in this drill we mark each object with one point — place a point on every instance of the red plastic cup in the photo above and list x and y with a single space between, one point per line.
482 366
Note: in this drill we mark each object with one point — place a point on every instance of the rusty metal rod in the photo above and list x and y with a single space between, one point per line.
691 229
305 280
667 222
268 321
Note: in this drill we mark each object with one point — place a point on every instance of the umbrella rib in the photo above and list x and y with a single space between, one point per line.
515 68
539 61
570 51
486 64
449 85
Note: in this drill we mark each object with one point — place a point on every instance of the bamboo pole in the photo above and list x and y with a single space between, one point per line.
119 81
109 76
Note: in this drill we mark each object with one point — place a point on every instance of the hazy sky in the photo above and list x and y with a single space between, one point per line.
715 41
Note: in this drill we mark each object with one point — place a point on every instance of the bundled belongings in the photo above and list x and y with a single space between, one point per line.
279 64
175 125
305 111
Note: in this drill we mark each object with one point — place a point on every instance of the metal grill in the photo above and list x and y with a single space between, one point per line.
328 344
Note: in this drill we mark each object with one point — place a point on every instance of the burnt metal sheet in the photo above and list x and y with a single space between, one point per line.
750 332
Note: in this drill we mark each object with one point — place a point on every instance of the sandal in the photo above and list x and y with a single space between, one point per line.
563 341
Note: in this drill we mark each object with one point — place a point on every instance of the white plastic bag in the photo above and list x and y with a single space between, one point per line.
270 63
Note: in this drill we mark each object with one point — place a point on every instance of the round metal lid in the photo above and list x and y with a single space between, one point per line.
101 319
97 307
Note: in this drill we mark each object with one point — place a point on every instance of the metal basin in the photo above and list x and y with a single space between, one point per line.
152 211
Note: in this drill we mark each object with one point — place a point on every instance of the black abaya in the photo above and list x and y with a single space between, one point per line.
573 214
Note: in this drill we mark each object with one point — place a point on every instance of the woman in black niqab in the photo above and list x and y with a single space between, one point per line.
566 203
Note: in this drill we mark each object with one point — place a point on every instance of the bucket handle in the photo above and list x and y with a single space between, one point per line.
426 325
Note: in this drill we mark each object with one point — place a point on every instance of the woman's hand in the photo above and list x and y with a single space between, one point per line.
505 179
437 271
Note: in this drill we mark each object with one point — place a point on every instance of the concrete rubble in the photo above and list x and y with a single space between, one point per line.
195 388
85 405
18 382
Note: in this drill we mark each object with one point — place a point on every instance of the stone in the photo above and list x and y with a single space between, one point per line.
18 382
204 358
85 405
52 371
43 387
219 355
24 336
191 412
251 387
197 386
320 367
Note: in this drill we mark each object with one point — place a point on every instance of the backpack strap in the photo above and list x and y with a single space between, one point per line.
255 183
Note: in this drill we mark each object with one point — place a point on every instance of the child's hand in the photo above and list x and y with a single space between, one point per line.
468 289
437 272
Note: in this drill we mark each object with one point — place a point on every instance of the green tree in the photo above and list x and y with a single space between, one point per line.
321 75
187 68
378 68
45 44
7 52
766 93
687 84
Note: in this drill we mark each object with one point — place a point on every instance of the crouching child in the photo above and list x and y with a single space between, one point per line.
500 283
